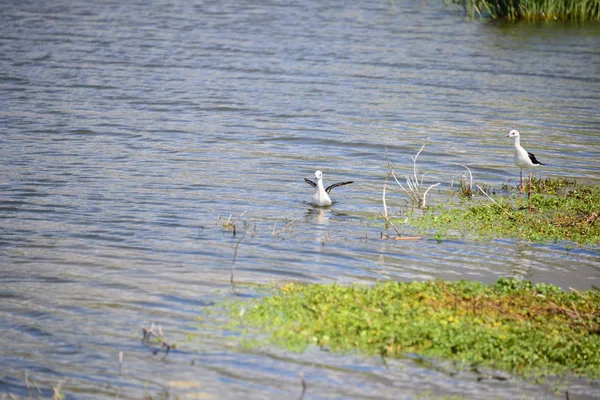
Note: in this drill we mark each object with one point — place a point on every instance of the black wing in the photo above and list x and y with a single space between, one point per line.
311 183
336 185
534 160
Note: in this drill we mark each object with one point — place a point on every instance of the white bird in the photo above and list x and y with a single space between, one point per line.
523 159
321 195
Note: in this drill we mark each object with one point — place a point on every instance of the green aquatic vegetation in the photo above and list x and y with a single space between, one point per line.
562 212
510 325
466 190
548 185
532 10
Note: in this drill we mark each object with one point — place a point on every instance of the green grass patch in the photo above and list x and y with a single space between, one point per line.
533 10
511 325
561 211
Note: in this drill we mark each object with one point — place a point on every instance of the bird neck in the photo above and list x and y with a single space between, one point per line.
320 184
517 142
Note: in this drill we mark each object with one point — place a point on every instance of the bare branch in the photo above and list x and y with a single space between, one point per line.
384 203
234 258
470 175
391 224
414 184
494 201
414 159
425 195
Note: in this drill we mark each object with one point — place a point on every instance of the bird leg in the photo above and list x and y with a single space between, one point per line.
521 186
529 191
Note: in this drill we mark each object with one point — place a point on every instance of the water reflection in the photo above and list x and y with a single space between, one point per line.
522 265
318 215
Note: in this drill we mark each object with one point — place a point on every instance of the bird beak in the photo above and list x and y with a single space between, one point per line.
507 135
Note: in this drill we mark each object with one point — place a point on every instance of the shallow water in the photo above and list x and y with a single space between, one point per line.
132 132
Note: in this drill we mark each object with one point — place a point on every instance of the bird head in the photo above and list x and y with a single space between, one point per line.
512 134
318 175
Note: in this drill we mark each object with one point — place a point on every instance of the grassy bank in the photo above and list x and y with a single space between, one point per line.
533 10
511 325
560 211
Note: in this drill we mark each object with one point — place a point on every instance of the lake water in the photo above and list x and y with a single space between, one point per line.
131 132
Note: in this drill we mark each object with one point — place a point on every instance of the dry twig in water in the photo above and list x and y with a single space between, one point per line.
303 383
399 237
466 190
494 201
231 224
414 187
158 338
57 395
390 223
233 262
387 178
287 227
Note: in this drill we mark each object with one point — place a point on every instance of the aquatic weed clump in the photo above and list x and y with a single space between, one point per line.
533 10
511 325
562 213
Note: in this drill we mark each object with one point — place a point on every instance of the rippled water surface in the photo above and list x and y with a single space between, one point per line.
132 131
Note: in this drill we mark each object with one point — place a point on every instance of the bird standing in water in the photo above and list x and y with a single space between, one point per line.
523 159
321 195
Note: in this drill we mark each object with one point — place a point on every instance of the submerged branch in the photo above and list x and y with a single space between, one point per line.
233 262
385 212
158 338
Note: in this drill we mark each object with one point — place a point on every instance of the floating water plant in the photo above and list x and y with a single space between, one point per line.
511 325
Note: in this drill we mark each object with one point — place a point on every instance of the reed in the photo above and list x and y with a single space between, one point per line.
532 10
